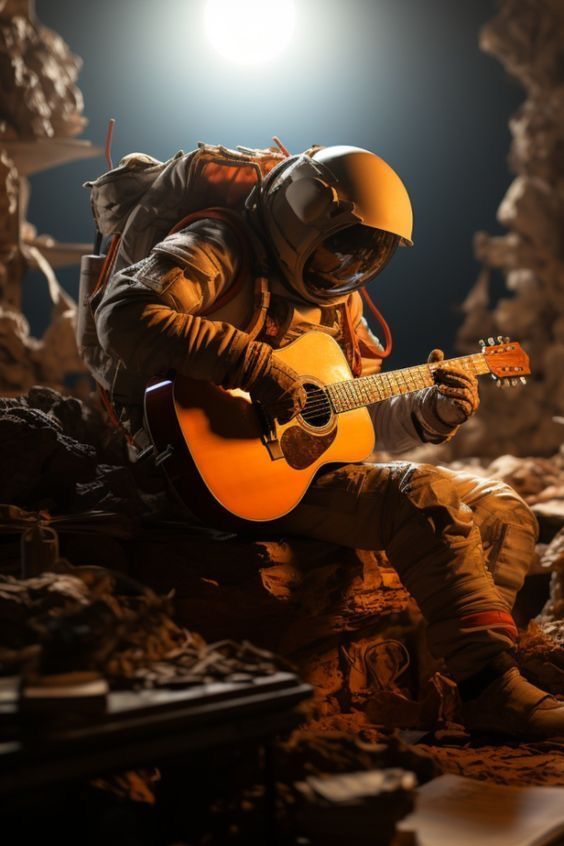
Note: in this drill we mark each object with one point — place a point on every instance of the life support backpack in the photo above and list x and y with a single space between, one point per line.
142 200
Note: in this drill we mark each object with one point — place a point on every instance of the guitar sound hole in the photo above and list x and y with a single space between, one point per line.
317 411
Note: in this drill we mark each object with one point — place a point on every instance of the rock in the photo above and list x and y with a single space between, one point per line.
531 208
550 514
11 261
332 809
39 97
552 557
40 108
541 651
528 38
56 454
529 476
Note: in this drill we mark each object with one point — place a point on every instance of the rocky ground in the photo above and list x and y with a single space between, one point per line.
341 617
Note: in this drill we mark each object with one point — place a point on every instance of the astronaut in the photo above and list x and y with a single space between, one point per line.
327 222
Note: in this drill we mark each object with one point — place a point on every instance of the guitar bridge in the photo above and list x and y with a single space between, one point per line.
269 436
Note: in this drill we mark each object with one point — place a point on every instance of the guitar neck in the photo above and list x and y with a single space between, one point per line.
356 393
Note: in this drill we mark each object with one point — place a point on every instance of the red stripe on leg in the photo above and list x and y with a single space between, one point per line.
493 620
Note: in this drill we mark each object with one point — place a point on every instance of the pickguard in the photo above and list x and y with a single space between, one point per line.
301 448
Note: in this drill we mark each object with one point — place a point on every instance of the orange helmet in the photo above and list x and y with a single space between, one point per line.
334 218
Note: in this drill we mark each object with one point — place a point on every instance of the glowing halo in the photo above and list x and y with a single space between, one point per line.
249 32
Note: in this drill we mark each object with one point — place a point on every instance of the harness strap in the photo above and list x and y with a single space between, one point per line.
262 299
351 341
379 317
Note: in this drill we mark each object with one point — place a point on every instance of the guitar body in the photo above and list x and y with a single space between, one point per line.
224 457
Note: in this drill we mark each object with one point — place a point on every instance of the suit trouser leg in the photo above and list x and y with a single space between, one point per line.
508 527
440 530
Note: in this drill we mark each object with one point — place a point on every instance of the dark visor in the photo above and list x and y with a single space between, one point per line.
348 259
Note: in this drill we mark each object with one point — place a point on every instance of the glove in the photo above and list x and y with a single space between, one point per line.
280 391
269 381
456 395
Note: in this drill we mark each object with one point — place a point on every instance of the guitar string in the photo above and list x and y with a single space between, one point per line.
318 405
325 403
397 375
321 402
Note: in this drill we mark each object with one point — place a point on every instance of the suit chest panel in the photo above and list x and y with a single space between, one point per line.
286 319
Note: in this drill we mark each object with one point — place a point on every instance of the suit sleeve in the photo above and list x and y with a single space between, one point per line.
148 317
405 421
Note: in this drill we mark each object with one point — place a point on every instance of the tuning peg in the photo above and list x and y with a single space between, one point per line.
514 380
493 376
507 339
482 342
500 339
499 383
523 380
491 342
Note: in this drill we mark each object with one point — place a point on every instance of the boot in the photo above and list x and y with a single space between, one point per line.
511 705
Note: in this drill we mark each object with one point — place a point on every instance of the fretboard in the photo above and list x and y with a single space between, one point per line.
355 393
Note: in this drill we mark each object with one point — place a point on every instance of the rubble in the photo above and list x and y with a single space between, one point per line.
91 619
501 762
528 38
56 453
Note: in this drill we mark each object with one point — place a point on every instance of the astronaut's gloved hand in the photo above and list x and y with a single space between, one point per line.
269 381
280 391
456 394
451 401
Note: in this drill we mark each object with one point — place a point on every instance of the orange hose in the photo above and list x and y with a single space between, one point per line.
387 331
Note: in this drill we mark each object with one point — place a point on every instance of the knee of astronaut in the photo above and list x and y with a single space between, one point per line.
509 507
425 484
433 492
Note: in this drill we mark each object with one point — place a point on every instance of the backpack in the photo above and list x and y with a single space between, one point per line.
142 200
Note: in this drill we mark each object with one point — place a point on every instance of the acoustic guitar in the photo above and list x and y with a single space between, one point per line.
225 455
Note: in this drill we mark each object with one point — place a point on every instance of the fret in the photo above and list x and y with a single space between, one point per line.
365 391
374 387
411 379
388 390
350 395
345 397
398 380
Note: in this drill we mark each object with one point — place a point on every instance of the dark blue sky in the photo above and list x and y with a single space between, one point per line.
400 77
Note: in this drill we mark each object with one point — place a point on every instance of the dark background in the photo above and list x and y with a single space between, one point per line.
403 78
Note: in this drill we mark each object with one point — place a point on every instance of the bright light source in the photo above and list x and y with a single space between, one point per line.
249 32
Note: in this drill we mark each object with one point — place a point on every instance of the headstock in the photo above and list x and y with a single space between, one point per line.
507 361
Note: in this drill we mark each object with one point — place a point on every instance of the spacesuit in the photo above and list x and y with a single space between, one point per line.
326 223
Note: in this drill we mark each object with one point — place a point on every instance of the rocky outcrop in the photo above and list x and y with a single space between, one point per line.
527 36
41 111
39 96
